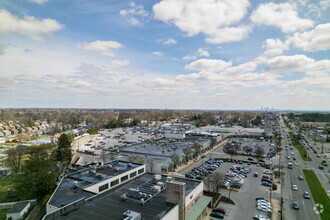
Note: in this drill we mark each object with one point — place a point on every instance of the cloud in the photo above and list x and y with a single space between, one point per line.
38 1
275 47
283 16
119 63
229 34
208 65
2 49
203 53
134 12
210 17
325 4
314 40
158 53
105 47
170 41
29 25
188 57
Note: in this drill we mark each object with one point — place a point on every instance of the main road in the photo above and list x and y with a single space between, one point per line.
290 177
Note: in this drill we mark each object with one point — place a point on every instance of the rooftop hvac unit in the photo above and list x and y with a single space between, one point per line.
130 215
129 165
92 172
157 177
109 166
99 175
161 184
156 188
169 179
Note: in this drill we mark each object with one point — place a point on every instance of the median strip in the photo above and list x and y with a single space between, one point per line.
302 150
322 201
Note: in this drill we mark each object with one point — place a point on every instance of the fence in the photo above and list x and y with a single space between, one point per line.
8 205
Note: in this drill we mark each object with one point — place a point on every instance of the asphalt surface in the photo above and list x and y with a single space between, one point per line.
290 178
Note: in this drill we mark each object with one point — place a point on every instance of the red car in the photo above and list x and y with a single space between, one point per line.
221 210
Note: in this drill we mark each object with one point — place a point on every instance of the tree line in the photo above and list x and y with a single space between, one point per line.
36 168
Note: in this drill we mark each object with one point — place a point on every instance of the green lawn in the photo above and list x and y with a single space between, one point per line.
318 193
302 150
7 184
286 124
3 213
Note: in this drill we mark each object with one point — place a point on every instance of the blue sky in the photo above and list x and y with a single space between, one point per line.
175 54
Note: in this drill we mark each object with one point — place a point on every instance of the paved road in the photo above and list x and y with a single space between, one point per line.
291 178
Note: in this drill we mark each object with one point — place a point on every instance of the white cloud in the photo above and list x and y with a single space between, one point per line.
203 53
229 34
275 47
38 1
105 47
283 15
211 17
325 4
132 13
158 53
170 41
188 57
314 40
29 25
119 63
208 65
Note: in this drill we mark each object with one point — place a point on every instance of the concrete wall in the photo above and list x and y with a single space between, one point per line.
193 195
173 214
95 188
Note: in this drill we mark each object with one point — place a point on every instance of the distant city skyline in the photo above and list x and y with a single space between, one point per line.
165 54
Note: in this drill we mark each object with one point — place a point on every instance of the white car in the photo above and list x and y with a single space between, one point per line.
296 163
292 152
288 157
268 172
264 209
294 187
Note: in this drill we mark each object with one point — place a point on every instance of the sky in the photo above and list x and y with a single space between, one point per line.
173 54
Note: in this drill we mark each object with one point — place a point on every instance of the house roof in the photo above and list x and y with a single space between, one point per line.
18 207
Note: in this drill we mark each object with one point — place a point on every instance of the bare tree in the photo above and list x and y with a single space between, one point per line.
131 158
197 147
247 149
187 151
140 160
232 150
150 162
176 160
103 156
216 182
14 157
259 152
213 142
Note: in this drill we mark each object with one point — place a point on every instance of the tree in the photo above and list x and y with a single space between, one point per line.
247 149
213 142
197 147
131 158
140 160
38 175
92 130
63 150
187 151
150 162
136 121
22 137
259 152
14 157
232 150
103 156
216 181
176 160
257 121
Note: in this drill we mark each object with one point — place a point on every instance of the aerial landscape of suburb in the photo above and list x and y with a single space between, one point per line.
164 109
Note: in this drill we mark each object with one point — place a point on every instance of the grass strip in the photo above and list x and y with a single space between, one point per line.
318 193
302 150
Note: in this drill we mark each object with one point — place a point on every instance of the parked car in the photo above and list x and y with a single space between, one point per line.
251 159
221 210
217 215
256 174
261 198
264 183
203 156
